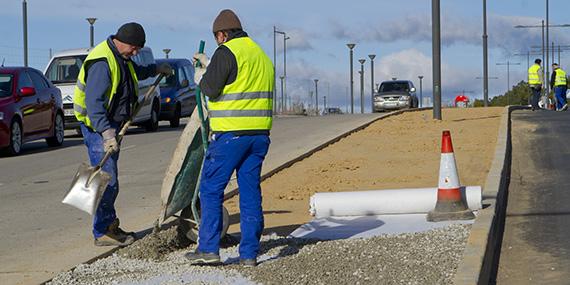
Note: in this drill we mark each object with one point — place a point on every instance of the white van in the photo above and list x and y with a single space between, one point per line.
63 69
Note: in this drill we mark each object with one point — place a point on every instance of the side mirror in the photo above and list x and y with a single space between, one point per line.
413 89
184 83
27 91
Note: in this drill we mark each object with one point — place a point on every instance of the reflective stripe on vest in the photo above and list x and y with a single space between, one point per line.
560 79
247 103
534 77
101 51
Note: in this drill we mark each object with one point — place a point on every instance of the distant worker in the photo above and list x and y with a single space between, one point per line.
558 84
535 83
105 95
239 85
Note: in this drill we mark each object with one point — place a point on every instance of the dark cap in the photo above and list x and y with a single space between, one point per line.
132 34
226 20
538 61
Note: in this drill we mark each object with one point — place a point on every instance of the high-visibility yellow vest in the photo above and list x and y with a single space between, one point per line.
534 76
100 51
247 103
560 79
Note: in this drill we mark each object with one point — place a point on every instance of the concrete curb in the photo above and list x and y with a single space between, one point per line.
481 251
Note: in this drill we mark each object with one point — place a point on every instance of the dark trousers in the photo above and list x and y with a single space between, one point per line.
535 96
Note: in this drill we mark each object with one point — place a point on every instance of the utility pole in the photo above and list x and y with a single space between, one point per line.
317 96
282 97
25 29
351 47
274 71
166 52
421 93
285 38
436 59
508 64
91 31
371 56
485 61
362 61
547 66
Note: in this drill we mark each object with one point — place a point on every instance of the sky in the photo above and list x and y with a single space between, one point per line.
397 32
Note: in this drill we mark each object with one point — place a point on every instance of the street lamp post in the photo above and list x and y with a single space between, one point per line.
485 61
371 56
362 61
421 93
25 30
285 38
436 59
166 51
317 96
351 47
282 97
508 64
91 31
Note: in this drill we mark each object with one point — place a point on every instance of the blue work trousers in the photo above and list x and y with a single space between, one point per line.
560 93
105 214
226 153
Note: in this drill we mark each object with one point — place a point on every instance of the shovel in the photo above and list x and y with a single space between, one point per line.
89 183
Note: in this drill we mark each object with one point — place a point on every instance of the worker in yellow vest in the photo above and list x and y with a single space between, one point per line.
105 95
535 82
239 84
558 84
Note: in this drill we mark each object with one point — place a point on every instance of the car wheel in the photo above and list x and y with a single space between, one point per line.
152 124
16 139
175 121
58 132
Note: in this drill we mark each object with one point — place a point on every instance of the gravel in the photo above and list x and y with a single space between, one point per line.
419 258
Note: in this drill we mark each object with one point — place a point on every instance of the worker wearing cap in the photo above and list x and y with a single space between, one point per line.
239 85
535 82
558 84
105 95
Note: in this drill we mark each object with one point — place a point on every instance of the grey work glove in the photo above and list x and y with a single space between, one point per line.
165 69
201 62
110 141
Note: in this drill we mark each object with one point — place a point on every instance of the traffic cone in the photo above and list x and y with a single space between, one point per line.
450 204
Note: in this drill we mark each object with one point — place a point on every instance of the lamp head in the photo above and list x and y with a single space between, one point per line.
371 56
362 60
350 46
91 20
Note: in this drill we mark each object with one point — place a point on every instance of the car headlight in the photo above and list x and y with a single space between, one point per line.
1 116
404 98
378 99
167 100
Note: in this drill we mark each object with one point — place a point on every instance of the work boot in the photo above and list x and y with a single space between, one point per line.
248 262
565 107
115 236
202 258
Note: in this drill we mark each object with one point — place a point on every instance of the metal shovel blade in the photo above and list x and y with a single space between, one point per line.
87 188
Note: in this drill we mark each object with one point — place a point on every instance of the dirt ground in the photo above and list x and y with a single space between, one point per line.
398 152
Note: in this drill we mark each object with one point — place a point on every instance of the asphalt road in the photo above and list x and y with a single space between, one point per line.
536 241
40 236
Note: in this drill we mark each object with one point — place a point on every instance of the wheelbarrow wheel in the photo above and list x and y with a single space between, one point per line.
190 230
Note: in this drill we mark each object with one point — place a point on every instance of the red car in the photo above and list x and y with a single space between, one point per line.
30 109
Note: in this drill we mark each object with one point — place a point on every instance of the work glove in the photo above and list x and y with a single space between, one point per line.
201 62
165 69
110 141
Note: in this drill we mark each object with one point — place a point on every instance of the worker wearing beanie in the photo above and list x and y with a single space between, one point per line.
558 84
105 94
239 85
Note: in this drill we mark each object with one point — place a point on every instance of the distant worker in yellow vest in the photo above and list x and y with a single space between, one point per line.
558 82
535 83
105 95
239 85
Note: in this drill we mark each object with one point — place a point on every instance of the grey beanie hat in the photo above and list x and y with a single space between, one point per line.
226 20
131 33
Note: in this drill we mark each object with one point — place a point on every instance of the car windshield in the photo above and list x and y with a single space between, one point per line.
169 81
394 87
5 85
65 69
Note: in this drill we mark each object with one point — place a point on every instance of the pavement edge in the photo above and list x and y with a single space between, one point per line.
483 245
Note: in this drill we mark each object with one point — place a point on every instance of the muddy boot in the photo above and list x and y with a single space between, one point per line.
115 236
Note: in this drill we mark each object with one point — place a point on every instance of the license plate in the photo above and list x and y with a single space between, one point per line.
68 112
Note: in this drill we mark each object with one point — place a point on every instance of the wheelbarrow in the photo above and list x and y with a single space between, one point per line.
181 184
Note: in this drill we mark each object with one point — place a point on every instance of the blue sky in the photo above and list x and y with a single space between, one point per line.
398 32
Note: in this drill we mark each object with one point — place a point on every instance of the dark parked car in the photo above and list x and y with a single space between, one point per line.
177 91
30 108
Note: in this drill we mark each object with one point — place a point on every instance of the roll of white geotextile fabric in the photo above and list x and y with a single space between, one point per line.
384 202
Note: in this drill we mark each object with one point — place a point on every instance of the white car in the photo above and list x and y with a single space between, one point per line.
63 69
